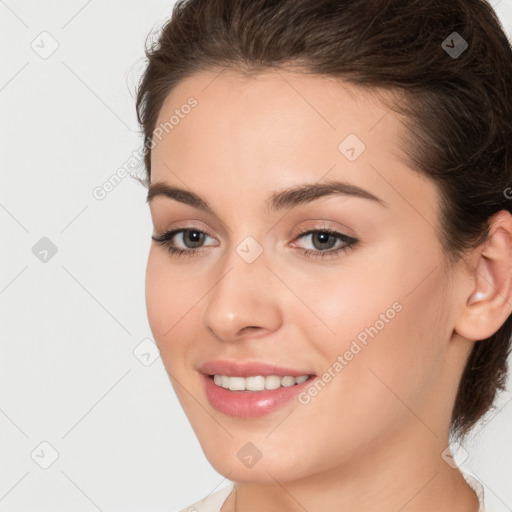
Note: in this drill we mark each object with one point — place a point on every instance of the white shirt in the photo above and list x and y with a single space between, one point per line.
213 502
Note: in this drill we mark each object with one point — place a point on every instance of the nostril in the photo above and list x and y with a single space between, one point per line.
249 327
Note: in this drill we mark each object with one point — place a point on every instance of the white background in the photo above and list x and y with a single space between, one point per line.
69 326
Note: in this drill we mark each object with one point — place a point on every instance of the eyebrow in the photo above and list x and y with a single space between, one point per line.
288 198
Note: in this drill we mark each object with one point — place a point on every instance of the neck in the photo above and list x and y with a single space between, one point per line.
398 476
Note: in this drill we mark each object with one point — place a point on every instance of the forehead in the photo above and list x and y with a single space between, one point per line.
275 112
283 104
273 129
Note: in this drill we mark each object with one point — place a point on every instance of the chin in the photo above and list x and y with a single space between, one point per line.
241 460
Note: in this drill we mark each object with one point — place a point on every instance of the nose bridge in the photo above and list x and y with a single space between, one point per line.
242 295
246 257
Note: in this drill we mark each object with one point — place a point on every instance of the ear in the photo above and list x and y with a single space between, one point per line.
489 302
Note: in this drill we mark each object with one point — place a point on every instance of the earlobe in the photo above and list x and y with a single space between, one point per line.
489 302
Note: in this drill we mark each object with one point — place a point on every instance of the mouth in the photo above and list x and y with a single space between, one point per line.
253 396
258 382
249 389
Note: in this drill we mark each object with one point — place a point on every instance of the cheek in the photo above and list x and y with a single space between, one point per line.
173 304
157 296
166 302
392 324
373 367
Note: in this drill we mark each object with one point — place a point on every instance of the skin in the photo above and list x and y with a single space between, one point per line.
372 439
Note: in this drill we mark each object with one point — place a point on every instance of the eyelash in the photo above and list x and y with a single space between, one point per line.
166 237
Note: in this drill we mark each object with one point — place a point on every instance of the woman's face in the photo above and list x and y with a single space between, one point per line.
367 310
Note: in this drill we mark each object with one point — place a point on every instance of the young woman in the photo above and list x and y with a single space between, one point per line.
329 282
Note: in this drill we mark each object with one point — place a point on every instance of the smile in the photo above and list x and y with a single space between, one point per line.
257 383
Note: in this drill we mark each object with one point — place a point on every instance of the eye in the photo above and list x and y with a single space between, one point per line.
323 242
191 239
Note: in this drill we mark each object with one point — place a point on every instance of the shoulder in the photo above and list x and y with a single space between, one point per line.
211 503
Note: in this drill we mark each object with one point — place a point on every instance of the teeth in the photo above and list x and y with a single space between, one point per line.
258 383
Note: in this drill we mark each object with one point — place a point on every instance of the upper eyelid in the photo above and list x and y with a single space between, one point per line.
340 236
325 227
325 198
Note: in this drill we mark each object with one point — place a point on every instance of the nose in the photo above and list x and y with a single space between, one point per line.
244 299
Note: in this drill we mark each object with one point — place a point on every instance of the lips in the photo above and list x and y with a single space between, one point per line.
250 369
250 404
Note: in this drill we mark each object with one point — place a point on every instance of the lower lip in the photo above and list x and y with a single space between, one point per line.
250 404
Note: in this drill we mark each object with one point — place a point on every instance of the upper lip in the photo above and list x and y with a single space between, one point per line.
248 369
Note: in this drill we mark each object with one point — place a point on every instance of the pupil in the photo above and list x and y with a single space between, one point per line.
195 237
323 237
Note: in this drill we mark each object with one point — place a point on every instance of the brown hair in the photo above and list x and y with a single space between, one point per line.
458 107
